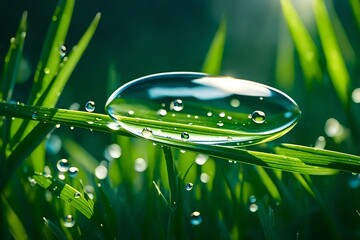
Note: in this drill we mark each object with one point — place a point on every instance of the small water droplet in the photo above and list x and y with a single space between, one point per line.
253 207
147 132
201 159
189 186
229 139
220 124
62 51
32 181
204 177
69 221
113 151
355 95
53 144
77 195
73 171
320 142
63 165
209 114
72 128
90 106
222 114
140 165
195 218
177 105
235 102
131 112
47 70
185 136
35 115
61 176
258 117
162 112
101 172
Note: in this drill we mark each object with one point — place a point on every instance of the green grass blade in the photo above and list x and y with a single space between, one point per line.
308 53
12 60
54 229
15 226
50 57
268 183
305 184
321 157
213 60
334 59
51 94
101 122
67 193
355 6
23 150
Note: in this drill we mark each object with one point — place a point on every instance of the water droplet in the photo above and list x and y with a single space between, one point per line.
201 159
177 105
320 142
32 181
61 176
204 177
189 186
258 116
101 172
62 51
140 165
112 151
72 128
253 207
53 144
146 132
162 112
131 112
355 95
197 92
195 218
73 171
63 165
47 70
69 221
90 106
35 115
77 195
185 136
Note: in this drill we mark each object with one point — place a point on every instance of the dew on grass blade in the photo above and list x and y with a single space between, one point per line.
69 221
63 165
195 218
189 186
222 106
73 171
90 106
35 115
140 165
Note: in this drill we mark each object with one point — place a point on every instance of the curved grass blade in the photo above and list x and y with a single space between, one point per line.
15 226
50 57
268 183
355 6
305 184
12 60
213 60
308 53
321 157
102 122
54 229
334 59
67 193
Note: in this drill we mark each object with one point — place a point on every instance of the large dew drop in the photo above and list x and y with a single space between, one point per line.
228 111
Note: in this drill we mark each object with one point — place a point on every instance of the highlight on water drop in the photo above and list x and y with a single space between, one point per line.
63 165
211 109
69 221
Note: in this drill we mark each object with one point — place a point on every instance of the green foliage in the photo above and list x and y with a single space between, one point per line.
149 189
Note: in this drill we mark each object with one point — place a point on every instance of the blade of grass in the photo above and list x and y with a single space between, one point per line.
15 226
67 193
213 60
334 59
54 229
12 60
304 183
321 157
355 6
268 183
102 122
308 53
50 57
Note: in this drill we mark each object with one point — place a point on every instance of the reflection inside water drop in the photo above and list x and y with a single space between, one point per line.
210 109
90 106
